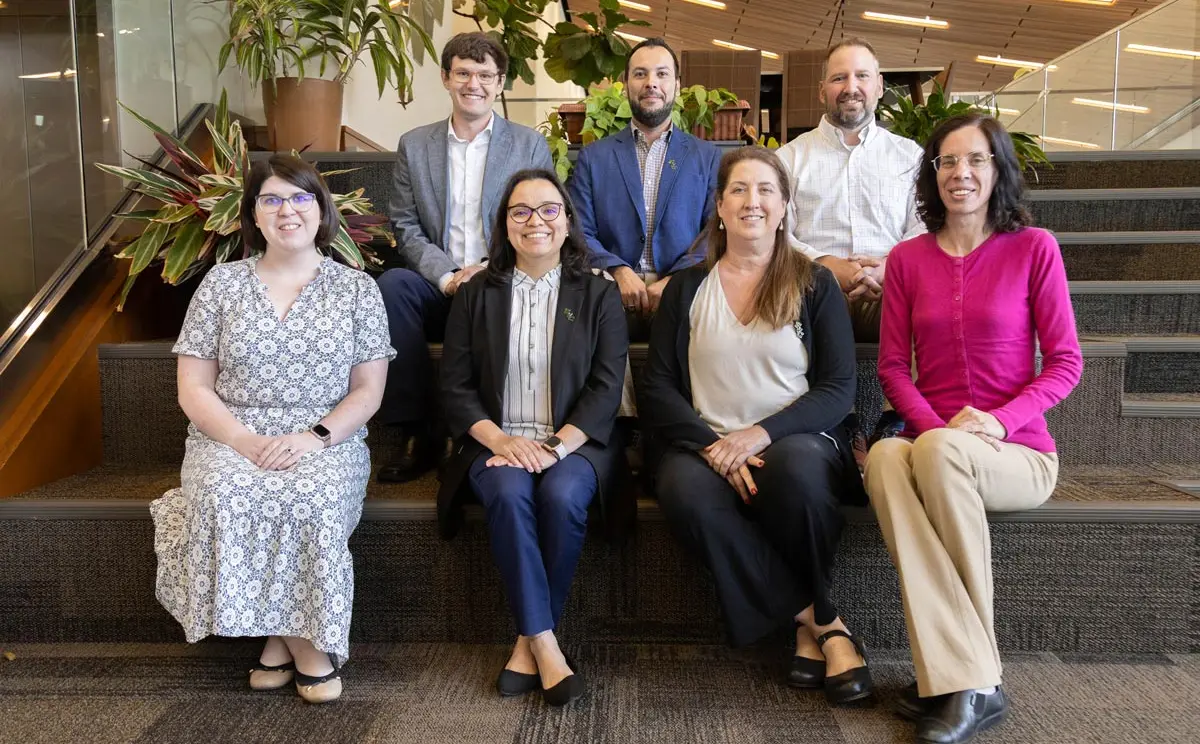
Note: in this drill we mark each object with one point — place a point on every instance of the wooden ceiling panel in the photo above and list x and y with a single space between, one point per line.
1035 30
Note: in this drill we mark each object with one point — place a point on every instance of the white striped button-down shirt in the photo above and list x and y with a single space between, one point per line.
527 410
852 199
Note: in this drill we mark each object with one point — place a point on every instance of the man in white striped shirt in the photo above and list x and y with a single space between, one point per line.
853 196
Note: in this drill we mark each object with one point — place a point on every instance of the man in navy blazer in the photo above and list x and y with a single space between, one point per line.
446 185
645 193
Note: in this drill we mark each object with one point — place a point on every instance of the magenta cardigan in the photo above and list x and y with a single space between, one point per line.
973 323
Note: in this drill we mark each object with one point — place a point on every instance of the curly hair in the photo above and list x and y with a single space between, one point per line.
502 257
1005 212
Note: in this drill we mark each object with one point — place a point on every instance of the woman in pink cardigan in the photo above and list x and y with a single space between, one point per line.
972 299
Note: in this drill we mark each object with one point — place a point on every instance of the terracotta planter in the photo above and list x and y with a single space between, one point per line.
727 123
572 116
304 114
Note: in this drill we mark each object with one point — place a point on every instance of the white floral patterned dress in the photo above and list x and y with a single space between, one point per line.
247 552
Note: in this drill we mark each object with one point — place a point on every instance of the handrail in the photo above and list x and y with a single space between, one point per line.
47 298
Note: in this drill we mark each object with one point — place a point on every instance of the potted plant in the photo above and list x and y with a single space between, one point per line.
917 122
280 43
199 223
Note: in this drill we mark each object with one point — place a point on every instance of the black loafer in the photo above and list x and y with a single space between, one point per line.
961 715
511 684
852 685
413 462
806 674
912 707
569 688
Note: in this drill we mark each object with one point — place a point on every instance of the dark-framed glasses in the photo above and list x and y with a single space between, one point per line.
548 212
485 77
976 160
301 202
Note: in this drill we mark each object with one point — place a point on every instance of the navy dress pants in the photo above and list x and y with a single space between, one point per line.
416 313
536 523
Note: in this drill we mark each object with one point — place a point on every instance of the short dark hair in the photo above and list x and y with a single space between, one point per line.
1005 212
477 47
853 41
502 257
657 41
300 174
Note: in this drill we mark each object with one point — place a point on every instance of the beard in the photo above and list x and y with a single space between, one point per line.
850 119
651 118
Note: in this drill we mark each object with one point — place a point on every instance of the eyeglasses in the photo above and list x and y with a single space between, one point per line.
548 212
301 202
464 76
976 160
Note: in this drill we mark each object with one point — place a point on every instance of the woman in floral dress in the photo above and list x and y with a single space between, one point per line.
282 360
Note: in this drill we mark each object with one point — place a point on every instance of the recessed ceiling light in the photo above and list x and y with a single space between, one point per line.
741 48
1163 51
64 75
1006 62
1092 2
630 37
1070 142
1007 111
708 4
634 6
925 22
1126 107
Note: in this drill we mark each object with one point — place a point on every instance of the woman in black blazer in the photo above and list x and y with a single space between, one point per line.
532 368
751 371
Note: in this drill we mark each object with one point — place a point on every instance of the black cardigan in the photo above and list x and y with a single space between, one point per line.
587 371
665 391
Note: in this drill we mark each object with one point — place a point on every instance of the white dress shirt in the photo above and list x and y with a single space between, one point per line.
527 411
852 199
740 374
464 242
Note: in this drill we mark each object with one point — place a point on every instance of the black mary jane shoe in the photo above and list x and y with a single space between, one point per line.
512 684
961 715
912 707
852 685
805 673
569 688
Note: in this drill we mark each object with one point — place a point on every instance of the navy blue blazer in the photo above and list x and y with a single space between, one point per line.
606 186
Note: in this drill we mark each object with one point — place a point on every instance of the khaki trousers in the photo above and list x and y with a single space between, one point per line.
931 497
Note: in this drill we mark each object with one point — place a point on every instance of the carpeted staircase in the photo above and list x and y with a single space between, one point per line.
1110 565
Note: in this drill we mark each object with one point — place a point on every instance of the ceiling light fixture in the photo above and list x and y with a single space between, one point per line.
1092 2
1006 62
1126 107
1008 111
925 22
708 4
633 6
741 48
1163 51
1070 142
65 74
630 37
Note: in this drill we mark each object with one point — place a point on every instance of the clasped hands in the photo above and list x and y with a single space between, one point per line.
277 453
980 423
860 277
521 452
732 456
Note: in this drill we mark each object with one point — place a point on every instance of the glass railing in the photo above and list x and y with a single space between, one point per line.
1135 88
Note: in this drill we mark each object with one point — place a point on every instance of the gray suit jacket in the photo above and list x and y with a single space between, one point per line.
418 206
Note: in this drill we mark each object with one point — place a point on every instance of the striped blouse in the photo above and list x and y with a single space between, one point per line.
527 411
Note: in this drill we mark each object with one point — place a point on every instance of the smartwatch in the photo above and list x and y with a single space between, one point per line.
555 446
320 432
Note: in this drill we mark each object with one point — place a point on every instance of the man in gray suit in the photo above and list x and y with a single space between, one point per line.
448 178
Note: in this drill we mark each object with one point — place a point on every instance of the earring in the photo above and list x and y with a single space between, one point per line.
720 225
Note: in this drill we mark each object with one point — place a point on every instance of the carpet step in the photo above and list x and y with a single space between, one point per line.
1155 255
1133 308
1082 573
1161 405
1116 209
1161 364
1118 170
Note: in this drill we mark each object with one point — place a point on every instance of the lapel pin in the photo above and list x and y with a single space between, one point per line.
569 314
671 163
798 328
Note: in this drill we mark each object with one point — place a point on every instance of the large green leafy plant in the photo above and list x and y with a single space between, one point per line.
279 38
917 122
198 223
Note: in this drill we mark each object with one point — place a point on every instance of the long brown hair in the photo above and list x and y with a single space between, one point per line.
789 273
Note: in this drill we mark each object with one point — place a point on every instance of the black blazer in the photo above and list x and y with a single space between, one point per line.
665 392
587 372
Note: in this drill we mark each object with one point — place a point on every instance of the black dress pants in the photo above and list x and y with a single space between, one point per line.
774 557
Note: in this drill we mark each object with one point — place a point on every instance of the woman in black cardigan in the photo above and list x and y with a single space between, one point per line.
751 371
532 368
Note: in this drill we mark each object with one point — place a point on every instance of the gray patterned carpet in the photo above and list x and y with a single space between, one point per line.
164 694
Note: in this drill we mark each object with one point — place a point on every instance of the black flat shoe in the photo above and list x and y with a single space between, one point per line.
852 685
961 715
569 688
413 462
511 684
912 707
805 673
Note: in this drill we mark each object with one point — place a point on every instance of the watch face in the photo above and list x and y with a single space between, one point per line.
320 430
552 442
